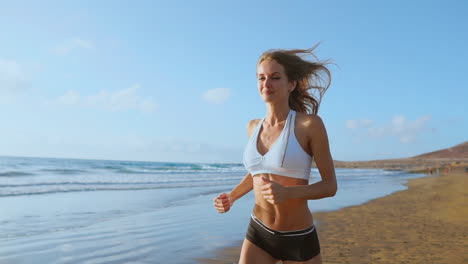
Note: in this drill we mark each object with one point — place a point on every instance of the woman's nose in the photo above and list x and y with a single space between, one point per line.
267 82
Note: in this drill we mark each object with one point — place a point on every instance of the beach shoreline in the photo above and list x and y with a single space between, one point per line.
423 224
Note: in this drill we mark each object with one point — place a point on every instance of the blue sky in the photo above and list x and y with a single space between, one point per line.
175 80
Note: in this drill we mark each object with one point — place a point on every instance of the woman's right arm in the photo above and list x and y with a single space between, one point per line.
245 186
224 201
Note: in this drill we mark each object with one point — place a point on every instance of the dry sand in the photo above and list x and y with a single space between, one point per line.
428 223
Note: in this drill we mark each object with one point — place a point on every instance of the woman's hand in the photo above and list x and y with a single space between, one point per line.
223 203
273 192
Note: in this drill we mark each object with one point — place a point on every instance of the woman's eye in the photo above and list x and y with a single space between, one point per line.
274 78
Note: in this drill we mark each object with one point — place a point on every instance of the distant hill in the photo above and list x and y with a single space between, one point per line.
440 158
455 152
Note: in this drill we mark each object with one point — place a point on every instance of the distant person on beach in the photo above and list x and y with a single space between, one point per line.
278 158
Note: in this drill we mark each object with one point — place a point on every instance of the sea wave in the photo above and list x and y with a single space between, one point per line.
53 188
15 174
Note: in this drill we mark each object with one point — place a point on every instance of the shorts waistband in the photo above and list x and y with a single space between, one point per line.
283 233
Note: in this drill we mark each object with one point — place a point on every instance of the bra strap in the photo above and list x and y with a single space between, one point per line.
286 136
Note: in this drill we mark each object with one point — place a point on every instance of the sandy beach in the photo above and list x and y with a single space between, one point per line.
427 223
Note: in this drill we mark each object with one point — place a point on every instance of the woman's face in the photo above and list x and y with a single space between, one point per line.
272 81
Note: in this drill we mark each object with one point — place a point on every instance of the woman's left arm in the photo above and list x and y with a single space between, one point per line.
275 193
319 145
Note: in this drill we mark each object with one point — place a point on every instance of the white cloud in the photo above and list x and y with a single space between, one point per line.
12 76
408 131
216 96
358 123
147 105
74 43
187 150
124 99
404 130
69 98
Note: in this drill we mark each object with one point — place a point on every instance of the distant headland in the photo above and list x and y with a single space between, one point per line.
450 157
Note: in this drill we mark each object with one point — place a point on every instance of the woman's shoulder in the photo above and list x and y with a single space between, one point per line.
251 125
311 126
253 122
309 121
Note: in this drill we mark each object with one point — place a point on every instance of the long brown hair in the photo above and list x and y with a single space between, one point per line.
308 74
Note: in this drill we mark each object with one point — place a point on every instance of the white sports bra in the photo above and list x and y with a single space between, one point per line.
285 157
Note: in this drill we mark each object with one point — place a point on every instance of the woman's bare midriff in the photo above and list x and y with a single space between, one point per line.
293 214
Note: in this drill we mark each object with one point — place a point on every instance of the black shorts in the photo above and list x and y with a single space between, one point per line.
298 245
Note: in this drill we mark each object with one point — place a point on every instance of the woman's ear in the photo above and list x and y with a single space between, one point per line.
294 86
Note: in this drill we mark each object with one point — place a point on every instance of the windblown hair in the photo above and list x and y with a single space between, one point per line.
308 74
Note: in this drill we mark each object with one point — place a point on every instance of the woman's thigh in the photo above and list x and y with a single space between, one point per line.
315 260
251 254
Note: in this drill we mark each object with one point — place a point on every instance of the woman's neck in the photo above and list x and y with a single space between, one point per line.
276 114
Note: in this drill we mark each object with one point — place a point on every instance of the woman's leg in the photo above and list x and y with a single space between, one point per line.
251 254
315 260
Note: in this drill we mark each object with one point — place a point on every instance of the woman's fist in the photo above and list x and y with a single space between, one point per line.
273 192
222 203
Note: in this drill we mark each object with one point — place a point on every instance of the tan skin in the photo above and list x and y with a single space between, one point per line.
280 201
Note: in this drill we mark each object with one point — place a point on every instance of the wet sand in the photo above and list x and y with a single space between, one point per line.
427 223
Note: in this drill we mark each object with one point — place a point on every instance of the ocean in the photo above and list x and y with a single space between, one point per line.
97 211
